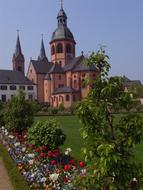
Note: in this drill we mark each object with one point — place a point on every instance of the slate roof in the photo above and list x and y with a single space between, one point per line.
56 68
62 32
128 82
65 89
72 63
13 77
41 67
78 64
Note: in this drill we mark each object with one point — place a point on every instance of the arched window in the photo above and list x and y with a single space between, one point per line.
53 50
67 98
59 48
68 48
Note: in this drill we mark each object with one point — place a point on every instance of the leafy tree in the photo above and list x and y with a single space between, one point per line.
19 113
109 140
46 133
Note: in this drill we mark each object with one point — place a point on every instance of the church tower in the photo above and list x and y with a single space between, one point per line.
18 58
62 42
42 56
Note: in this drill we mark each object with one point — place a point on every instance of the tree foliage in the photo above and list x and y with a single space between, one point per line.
109 140
19 113
47 133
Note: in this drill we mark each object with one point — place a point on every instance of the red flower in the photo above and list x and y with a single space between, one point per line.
56 153
72 161
42 155
81 164
67 168
44 148
66 180
38 150
49 155
53 162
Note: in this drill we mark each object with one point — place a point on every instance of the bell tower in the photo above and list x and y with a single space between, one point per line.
18 58
62 42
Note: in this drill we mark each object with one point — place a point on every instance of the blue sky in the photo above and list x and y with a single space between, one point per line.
118 24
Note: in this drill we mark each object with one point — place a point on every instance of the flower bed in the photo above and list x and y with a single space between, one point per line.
43 169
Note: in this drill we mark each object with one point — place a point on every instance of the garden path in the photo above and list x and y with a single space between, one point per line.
5 183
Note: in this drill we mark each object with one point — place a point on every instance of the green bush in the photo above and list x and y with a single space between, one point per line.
54 111
61 107
46 133
45 109
19 114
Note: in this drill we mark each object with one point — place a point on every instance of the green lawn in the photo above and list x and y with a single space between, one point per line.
71 127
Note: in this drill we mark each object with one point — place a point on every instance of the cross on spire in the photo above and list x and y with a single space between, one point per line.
62 2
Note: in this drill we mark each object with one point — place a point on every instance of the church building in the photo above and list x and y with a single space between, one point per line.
59 81
11 81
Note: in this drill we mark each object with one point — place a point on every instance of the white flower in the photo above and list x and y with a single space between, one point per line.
68 150
31 155
43 179
17 144
11 136
54 177
83 171
23 149
31 162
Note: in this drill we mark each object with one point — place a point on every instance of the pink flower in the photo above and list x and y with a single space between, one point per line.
49 155
53 162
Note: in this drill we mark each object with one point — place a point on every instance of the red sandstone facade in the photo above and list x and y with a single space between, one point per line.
61 80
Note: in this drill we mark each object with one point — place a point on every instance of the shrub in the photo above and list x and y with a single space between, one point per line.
54 111
61 107
46 133
19 113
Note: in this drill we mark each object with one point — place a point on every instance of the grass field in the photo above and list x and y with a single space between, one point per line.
71 127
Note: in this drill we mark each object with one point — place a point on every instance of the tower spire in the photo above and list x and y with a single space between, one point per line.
42 55
62 2
18 58
18 46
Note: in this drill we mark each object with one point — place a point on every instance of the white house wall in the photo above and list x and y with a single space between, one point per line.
9 93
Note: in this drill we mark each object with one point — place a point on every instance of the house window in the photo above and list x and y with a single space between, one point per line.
75 84
3 87
59 48
83 75
60 77
3 98
30 87
13 87
30 70
68 48
30 97
60 85
67 98
22 87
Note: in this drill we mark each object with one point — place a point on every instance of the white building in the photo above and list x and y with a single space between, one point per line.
12 81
